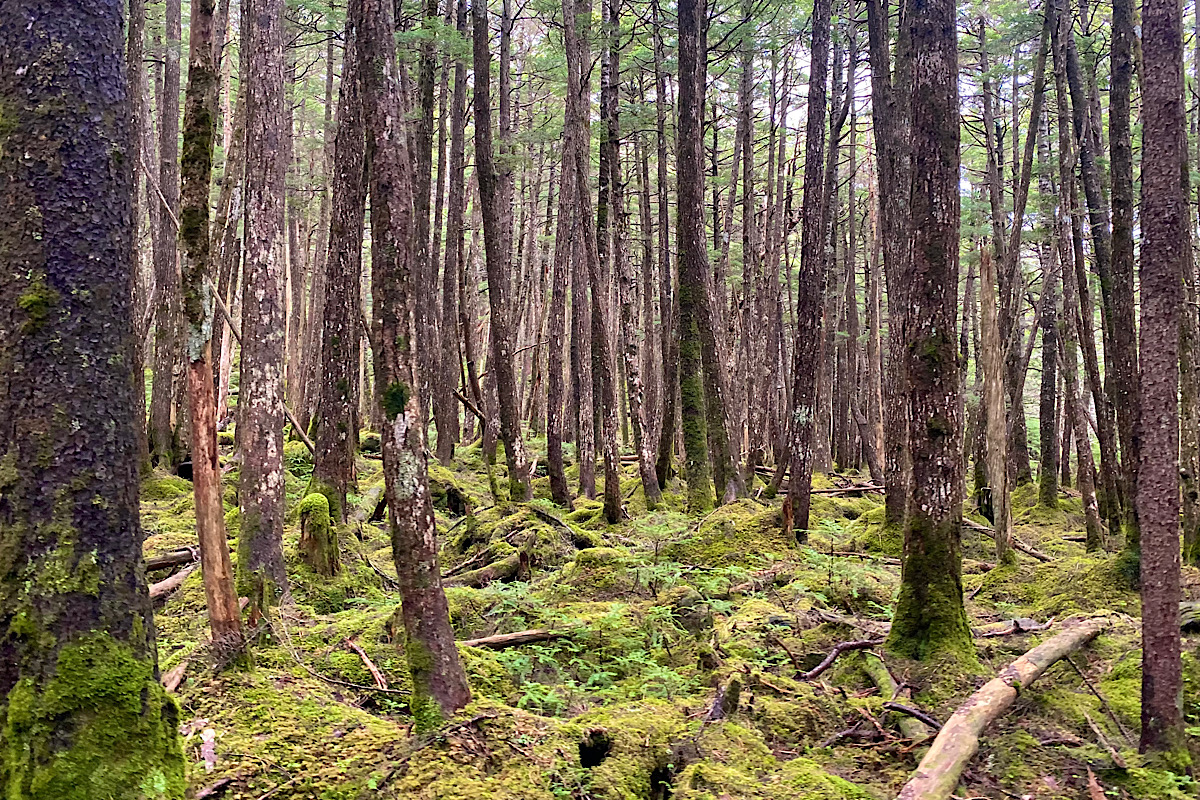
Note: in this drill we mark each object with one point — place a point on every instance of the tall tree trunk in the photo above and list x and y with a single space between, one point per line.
261 575
693 255
993 403
1124 379
426 270
336 434
1163 256
498 257
930 617
806 364
890 122
1048 395
439 685
78 646
448 428
668 299
140 121
199 130
164 446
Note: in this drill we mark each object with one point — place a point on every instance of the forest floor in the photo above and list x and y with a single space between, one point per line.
656 615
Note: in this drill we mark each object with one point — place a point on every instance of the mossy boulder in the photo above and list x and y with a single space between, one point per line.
165 487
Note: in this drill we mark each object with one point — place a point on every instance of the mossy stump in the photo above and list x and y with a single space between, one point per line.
318 538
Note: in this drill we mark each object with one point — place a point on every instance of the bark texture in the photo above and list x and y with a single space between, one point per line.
82 714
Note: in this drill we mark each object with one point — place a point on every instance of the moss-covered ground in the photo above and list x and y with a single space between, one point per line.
659 612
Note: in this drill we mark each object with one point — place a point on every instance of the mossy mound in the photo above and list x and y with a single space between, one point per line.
297 459
869 533
598 573
742 533
162 486
1072 585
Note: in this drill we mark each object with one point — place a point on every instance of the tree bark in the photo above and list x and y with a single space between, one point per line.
199 130
993 403
74 607
930 617
439 686
261 575
336 434
811 285
498 257
165 448
1164 253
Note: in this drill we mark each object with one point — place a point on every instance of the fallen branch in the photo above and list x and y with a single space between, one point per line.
1022 625
506 569
912 727
1016 543
168 585
174 676
503 640
380 680
838 649
1103 702
1112 751
939 771
175 558
915 713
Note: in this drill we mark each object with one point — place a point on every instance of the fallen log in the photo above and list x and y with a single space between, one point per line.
504 570
175 558
168 585
938 773
912 727
173 677
503 640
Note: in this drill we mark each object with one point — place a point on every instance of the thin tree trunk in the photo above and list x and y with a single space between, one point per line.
993 403
200 116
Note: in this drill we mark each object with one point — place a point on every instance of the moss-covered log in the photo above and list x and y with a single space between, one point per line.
81 712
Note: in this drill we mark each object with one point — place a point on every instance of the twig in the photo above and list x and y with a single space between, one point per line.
380 680
1112 751
859 644
1103 701
915 713
287 640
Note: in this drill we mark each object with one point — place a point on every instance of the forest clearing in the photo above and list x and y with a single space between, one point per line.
633 400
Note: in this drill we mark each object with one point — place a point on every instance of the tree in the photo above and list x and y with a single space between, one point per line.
261 576
498 258
930 617
163 419
199 129
693 256
336 436
810 287
1164 253
82 709
439 685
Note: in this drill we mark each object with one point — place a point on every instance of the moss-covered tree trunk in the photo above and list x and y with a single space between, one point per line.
1163 256
930 617
336 437
439 685
668 299
261 575
82 714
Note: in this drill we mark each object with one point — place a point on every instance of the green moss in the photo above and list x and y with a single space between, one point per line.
318 538
297 459
930 619
37 301
102 726
597 573
369 442
165 487
741 533
394 399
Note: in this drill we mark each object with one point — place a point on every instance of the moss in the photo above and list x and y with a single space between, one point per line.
37 301
165 487
318 538
102 726
226 438
369 442
394 400
598 573
740 533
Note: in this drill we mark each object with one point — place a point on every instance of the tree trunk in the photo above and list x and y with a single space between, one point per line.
76 612
439 686
261 575
810 290
445 404
693 255
992 360
199 129
164 446
1164 253
498 257
1048 396
930 617
336 434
